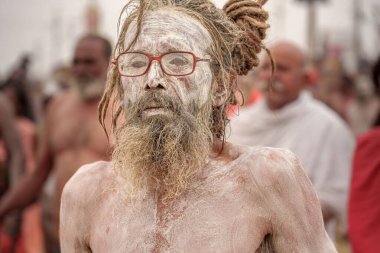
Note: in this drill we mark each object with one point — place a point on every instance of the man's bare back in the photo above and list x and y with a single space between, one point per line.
244 198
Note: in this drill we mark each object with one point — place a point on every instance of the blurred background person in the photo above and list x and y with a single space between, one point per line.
364 204
289 117
71 137
363 109
351 95
12 165
17 89
335 88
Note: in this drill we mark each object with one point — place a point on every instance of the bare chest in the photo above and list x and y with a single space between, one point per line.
76 127
216 223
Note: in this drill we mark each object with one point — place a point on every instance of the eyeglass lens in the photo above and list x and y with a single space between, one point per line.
135 64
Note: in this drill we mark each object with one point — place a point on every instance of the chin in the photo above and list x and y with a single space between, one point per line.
275 104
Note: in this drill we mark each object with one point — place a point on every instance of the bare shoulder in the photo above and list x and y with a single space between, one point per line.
63 99
87 183
276 173
80 199
276 166
270 165
90 177
276 176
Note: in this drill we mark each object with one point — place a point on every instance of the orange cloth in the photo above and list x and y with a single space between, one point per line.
6 244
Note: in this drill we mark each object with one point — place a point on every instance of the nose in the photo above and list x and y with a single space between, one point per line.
79 69
154 77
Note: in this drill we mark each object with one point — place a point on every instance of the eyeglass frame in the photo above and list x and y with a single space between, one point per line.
158 58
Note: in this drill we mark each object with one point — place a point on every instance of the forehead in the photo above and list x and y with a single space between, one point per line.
89 48
168 30
287 54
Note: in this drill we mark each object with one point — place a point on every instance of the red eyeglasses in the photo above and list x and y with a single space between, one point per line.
134 64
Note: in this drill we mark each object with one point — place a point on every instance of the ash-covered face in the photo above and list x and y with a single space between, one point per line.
165 31
166 134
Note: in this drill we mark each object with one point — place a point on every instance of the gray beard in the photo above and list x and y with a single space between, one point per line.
163 151
90 88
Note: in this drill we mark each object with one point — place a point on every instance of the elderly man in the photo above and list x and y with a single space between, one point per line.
174 185
288 117
72 136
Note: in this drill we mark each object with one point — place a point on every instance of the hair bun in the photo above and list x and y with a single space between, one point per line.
251 19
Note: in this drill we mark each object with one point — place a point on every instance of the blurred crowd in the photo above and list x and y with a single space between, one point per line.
328 117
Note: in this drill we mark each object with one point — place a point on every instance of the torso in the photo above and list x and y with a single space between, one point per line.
228 218
245 200
76 136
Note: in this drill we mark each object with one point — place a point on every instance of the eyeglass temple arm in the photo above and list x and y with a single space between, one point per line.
207 58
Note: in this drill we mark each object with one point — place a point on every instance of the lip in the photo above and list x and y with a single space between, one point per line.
153 106
153 110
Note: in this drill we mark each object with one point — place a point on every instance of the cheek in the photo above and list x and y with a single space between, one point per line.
98 70
196 87
131 88
265 74
204 81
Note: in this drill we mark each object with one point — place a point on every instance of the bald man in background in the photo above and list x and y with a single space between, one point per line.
289 117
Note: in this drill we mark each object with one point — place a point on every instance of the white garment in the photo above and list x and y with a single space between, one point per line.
316 134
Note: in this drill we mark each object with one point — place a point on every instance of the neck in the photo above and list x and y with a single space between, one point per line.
217 147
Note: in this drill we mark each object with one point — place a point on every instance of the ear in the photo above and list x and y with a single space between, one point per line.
220 92
310 75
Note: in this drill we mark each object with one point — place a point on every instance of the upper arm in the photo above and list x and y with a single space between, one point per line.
45 151
295 212
12 141
78 203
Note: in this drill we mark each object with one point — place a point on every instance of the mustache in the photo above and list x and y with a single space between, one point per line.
155 99
275 86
